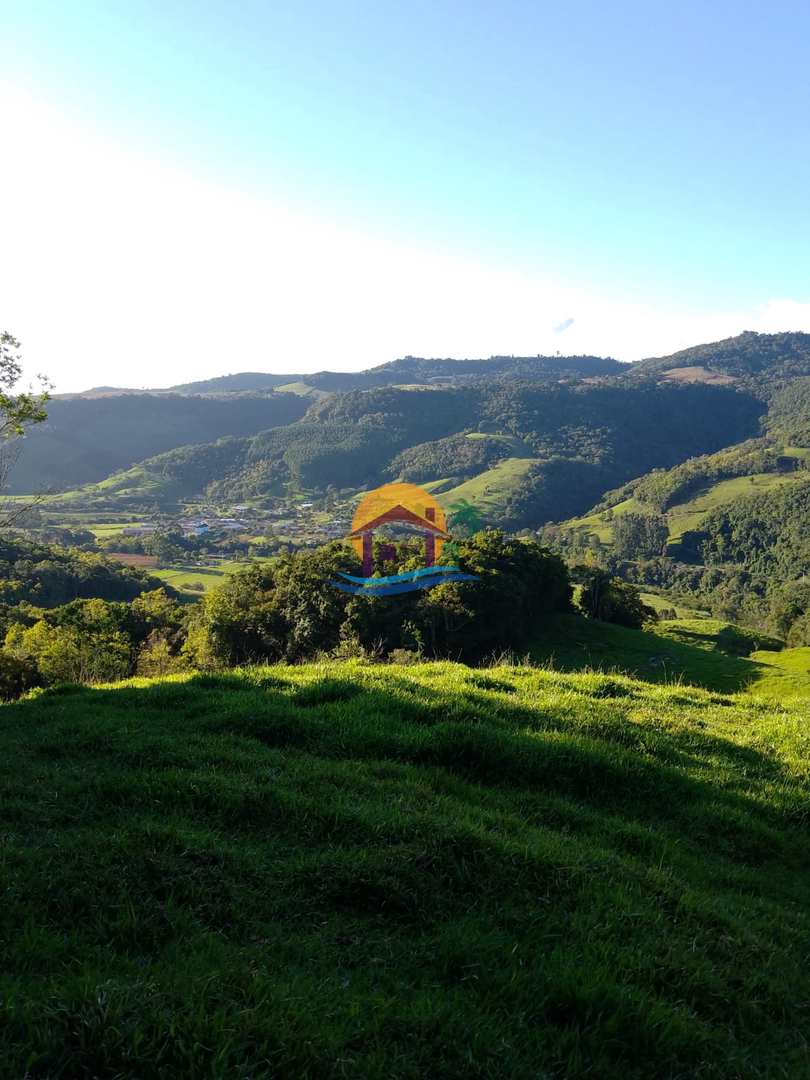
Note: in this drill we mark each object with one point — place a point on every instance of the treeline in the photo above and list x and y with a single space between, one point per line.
88 641
290 611
45 575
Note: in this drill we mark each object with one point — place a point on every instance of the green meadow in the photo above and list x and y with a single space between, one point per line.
689 514
192 579
491 490
700 651
376 871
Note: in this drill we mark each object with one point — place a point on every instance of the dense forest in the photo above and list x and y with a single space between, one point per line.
580 438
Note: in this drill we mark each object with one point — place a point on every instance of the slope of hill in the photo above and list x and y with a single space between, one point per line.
579 435
689 515
85 440
390 872
710 653
699 488
763 360
576 440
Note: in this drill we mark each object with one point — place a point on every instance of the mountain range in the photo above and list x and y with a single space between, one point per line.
528 439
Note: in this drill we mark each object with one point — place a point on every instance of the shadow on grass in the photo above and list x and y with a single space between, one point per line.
532 740
407 869
714 662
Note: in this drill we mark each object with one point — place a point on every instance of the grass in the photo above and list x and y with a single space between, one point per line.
691 513
105 531
337 871
303 389
660 602
491 490
788 672
698 651
194 580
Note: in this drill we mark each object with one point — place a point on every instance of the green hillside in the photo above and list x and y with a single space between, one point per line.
491 491
709 653
585 437
695 490
750 358
85 440
692 512
400 872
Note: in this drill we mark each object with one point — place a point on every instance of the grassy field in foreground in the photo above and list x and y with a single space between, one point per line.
378 872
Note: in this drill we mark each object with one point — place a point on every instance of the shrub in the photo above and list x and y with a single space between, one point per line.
16 676
613 600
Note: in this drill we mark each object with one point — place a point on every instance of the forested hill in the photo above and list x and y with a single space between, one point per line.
526 439
84 440
754 360
541 450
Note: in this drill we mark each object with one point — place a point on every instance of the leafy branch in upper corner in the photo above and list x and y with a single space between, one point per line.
18 411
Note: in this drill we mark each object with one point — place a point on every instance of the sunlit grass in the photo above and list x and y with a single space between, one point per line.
402 872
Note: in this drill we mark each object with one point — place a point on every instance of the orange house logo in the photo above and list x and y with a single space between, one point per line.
414 508
404 504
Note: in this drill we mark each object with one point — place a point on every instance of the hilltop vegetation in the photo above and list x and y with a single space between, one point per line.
763 361
416 369
389 872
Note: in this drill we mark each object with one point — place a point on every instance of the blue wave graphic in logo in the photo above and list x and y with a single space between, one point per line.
409 575
394 584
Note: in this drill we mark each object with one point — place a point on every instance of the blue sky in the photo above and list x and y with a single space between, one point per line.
640 169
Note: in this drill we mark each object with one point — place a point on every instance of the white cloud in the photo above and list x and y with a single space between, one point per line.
118 269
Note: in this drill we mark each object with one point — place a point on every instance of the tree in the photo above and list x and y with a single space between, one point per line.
284 611
639 535
17 412
612 600
157 658
517 586
166 547
72 653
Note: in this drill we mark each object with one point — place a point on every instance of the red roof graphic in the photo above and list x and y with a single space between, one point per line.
400 513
